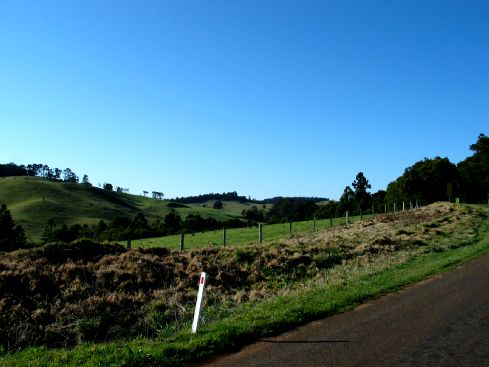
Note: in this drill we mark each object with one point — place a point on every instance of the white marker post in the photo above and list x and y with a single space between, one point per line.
198 305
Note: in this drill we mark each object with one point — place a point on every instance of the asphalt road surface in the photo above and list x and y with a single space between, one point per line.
443 321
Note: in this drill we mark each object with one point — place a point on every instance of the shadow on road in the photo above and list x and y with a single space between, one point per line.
303 341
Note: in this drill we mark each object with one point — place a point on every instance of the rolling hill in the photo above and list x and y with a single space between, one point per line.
33 201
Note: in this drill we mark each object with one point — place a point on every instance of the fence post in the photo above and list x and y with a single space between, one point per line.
373 211
260 232
410 204
361 214
331 221
182 241
314 225
129 241
385 208
290 229
403 206
394 207
224 236
347 217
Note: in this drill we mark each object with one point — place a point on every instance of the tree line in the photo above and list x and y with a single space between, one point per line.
425 182
41 170
124 228
200 199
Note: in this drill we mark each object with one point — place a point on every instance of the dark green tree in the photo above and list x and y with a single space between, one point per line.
362 197
49 235
217 204
347 202
425 181
173 222
11 236
474 172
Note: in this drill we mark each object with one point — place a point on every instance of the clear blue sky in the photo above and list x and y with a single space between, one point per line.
267 98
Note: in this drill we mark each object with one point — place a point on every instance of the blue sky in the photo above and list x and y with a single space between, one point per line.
267 98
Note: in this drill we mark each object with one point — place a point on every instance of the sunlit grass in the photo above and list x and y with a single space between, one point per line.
449 240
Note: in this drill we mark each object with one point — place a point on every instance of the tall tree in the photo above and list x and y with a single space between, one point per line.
361 185
11 236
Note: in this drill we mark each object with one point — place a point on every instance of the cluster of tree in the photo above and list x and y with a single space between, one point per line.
11 236
439 179
291 210
41 170
254 215
355 199
157 195
200 199
123 228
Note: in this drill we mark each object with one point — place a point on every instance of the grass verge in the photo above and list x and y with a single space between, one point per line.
334 290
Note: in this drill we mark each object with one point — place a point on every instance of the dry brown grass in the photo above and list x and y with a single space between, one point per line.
62 294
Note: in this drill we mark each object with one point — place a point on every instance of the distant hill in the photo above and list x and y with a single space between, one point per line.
34 200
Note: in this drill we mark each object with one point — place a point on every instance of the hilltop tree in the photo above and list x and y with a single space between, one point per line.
108 186
157 195
11 236
217 204
85 180
69 176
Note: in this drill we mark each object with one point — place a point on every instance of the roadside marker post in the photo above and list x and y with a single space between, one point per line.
198 304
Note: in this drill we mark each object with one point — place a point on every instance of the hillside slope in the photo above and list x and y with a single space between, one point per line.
33 201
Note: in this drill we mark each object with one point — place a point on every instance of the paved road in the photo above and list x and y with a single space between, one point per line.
443 321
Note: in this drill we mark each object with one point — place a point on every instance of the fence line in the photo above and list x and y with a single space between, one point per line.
247 236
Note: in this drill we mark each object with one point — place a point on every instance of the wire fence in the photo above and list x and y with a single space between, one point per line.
258 234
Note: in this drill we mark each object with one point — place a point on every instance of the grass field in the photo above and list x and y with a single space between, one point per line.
33 201
372 258
242 236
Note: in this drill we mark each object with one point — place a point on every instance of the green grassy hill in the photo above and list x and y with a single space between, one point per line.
33 201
